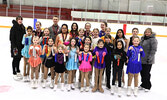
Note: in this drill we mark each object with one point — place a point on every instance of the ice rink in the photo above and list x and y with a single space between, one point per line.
22 91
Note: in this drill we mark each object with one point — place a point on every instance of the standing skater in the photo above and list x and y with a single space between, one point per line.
48 62
135 52
27 38
35 61
59 67
149 44
119 60
16 34
85 57
72 63
100 51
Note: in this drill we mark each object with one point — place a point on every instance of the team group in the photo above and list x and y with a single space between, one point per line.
63 53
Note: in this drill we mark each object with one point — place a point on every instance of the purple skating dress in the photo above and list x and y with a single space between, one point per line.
100 50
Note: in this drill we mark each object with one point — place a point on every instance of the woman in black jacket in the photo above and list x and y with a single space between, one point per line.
16 34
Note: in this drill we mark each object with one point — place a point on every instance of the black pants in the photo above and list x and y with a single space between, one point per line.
145 76
15 65
115 70
108 73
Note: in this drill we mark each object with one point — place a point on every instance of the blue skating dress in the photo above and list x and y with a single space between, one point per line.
134 63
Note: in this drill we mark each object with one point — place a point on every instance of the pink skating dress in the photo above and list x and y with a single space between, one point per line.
85 66
34 59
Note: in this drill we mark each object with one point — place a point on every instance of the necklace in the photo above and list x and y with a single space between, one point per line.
63 37
45 40
38 32
55 30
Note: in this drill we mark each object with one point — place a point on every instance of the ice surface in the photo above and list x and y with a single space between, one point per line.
23 91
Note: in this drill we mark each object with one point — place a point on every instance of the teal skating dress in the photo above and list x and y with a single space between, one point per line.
71 63
26 41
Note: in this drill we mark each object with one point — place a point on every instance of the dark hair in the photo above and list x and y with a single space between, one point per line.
29 27
52 39
19 17
56 16
62 26
100 40
89 38
135 29
87 23
121 43
107 36
75 43
76 31
123 36
105 23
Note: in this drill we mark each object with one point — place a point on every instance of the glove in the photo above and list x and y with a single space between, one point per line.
104 53
115 57
97 53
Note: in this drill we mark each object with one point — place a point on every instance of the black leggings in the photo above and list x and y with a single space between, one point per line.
108 72
15 65
115 70
145 76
